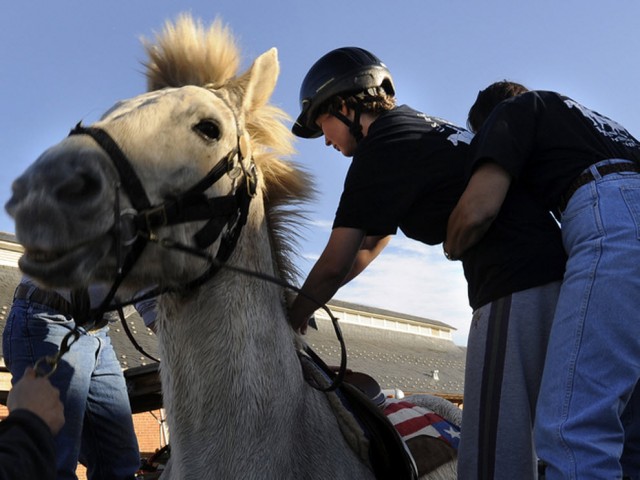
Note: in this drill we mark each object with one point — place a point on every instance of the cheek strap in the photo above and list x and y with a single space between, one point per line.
355 128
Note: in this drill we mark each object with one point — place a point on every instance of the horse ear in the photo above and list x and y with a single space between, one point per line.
260 80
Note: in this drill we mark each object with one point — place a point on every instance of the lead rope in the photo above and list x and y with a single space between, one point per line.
70 338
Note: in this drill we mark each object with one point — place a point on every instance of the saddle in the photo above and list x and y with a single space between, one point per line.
432 439
401 440
378 442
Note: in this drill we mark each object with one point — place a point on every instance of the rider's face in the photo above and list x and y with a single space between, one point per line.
336 133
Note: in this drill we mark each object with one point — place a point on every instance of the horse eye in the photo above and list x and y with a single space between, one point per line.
208 129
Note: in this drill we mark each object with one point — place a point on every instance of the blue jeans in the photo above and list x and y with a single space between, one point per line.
98 429
588 417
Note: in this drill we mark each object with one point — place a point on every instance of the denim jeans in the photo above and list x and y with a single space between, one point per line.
588 418
98 429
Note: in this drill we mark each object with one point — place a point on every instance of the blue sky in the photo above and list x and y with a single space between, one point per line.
68 60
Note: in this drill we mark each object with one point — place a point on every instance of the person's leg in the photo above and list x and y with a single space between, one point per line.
593 361
109 443
30 334
630 459
469 440
505 355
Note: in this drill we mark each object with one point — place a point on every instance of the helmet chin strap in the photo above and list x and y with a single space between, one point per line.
355 128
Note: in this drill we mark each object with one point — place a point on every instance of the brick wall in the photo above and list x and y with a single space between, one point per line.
150 432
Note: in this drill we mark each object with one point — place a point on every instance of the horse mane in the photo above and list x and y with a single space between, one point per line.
187 53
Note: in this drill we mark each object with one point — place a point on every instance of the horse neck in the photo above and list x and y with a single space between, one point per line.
237 404
231 337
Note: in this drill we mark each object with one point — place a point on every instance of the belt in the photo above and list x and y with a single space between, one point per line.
43 297
588 177
50 299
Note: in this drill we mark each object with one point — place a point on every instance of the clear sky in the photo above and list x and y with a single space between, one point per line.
69 60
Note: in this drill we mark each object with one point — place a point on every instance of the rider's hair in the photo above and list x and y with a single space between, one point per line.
490 97
373 100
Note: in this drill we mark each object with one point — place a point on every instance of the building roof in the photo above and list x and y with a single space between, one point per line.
388 314
412 363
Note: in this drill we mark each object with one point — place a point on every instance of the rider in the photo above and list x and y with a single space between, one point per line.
408 171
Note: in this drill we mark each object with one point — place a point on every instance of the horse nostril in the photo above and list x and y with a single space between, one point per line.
78 187
18 192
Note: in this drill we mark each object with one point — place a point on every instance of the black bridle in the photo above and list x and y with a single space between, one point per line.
135 227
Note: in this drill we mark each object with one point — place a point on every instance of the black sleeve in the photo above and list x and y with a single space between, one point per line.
368 200
27 450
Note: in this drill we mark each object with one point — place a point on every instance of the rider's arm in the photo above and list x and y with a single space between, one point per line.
371 247
340 262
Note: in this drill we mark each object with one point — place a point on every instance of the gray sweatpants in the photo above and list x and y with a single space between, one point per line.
505 358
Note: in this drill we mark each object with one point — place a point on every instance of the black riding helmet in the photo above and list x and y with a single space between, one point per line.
342 71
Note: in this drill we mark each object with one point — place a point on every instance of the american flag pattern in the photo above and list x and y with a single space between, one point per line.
411 420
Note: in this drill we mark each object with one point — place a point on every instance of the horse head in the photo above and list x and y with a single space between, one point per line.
180 162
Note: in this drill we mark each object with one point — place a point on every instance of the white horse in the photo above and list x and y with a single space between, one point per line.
236 400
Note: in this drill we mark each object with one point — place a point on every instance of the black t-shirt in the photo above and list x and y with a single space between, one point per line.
546 140
409 172
522 249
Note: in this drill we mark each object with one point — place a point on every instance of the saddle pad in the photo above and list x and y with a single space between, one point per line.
412 420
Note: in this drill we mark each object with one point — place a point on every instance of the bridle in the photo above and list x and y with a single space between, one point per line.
135 227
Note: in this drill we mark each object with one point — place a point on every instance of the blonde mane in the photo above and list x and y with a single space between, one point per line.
187 53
